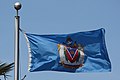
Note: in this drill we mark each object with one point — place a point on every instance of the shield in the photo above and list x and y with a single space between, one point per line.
70 57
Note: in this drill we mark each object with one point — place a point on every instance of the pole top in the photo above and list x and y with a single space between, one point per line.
17 6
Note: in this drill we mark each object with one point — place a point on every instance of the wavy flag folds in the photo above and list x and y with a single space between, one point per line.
74 52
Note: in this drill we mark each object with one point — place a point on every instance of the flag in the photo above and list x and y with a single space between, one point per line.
74 52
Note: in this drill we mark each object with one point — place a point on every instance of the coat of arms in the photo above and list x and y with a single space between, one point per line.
71 54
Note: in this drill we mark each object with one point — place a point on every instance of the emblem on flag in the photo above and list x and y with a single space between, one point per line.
71 54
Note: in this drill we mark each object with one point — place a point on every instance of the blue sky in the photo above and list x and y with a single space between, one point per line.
60 16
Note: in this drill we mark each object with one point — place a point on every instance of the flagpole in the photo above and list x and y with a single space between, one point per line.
17 6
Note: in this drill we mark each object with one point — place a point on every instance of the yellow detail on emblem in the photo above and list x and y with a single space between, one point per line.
58 47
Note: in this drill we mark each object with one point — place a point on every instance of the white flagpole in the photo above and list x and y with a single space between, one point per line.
17 6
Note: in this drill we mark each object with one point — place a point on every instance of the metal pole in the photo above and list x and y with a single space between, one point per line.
17 6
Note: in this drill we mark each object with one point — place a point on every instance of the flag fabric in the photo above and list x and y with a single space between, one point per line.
74 52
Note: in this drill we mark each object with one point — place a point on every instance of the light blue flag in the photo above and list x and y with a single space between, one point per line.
75 52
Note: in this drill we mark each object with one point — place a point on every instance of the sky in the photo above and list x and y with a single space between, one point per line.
60 16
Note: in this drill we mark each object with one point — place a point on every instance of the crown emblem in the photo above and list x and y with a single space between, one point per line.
71 53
